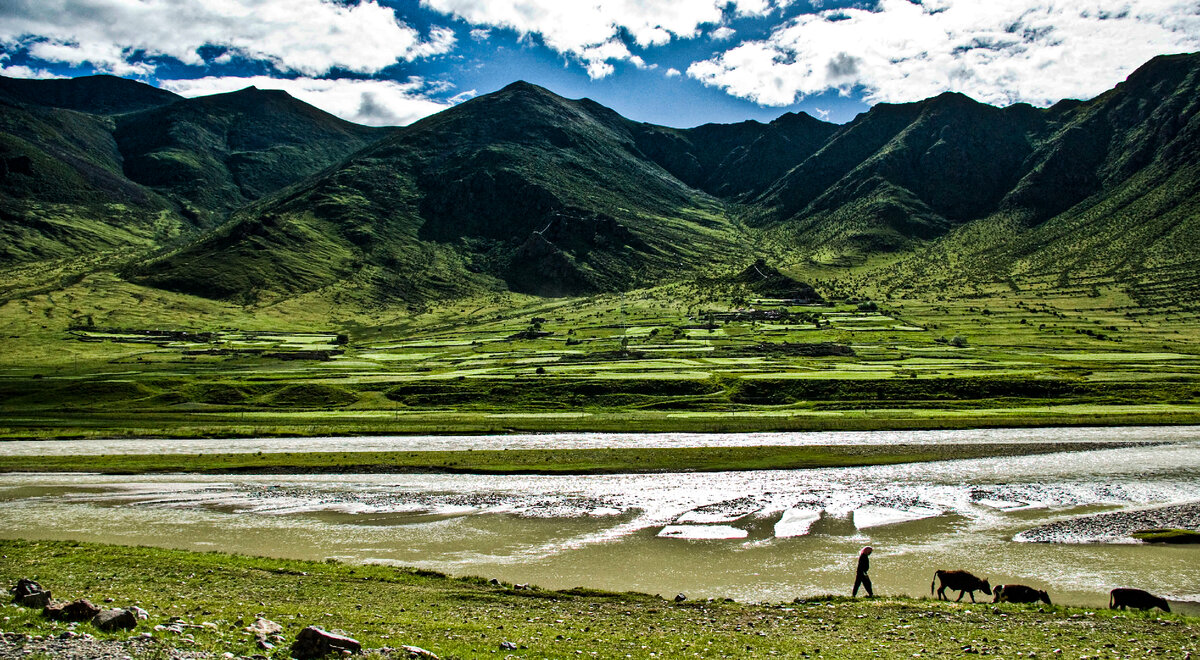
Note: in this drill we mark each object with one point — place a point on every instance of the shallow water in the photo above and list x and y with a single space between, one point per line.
722 537
586 440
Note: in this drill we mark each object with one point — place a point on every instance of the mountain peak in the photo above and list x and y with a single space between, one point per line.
527 87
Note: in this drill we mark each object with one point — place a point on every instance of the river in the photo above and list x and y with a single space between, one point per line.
755 536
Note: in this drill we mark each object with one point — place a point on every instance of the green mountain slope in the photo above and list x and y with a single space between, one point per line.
1113 192
521 188
216 153
903 172
142 167
734 161
63 192
528 191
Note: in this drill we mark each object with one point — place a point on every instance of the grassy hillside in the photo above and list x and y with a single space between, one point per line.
1112 197
1106 184
63 191
216 153
520 189
101 165
945 204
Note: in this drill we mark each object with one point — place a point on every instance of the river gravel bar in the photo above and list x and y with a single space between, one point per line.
1116 527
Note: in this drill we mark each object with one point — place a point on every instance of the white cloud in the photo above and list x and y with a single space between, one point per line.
673 73
304 36
371 102
723 33
22 71
481 34
587 30
1001 52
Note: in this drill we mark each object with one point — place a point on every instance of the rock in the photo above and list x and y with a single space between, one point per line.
312 642
139 613
264 627
115 619
40 599
679 598
508 646
26 588
418 653
76 610
494 582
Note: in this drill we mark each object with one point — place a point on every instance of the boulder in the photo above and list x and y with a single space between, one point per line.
26 588
76 610
115 619
313 642
39 599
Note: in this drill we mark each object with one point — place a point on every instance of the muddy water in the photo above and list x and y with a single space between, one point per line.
765 535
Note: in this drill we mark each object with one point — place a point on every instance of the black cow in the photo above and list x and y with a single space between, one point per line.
960 581
1119 599
1019 593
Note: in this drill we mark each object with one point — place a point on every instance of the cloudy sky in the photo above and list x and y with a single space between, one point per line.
673 62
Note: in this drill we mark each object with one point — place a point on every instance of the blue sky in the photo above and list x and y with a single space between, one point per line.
678 63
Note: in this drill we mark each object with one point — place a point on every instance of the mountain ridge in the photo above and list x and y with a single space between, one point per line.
525 190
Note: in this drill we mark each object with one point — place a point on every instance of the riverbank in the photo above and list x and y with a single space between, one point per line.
620 460
64 424
218 595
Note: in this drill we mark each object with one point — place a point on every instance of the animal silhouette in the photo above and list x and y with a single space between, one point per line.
960 581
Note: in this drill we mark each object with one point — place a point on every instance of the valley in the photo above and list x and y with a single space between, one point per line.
701 355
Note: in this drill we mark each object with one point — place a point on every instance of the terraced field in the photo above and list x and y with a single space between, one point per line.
104 357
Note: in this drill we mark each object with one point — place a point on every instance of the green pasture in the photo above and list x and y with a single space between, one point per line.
85 359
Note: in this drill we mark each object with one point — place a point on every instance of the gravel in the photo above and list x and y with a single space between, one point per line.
1114 527
70 646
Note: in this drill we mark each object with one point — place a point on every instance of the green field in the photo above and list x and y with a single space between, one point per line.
105 357
532 461
216 595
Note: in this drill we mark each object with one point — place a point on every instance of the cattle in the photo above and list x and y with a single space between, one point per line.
1119 599
1019 593
960 581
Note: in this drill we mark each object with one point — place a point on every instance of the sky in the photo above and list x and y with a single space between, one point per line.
672 62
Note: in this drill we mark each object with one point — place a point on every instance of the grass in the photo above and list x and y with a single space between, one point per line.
468 617
76 361
530 461
1167 536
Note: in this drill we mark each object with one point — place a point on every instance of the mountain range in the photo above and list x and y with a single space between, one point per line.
256 196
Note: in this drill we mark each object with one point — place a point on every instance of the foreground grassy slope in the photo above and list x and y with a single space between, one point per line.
465 618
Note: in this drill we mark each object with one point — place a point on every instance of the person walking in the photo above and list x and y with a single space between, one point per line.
861 577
